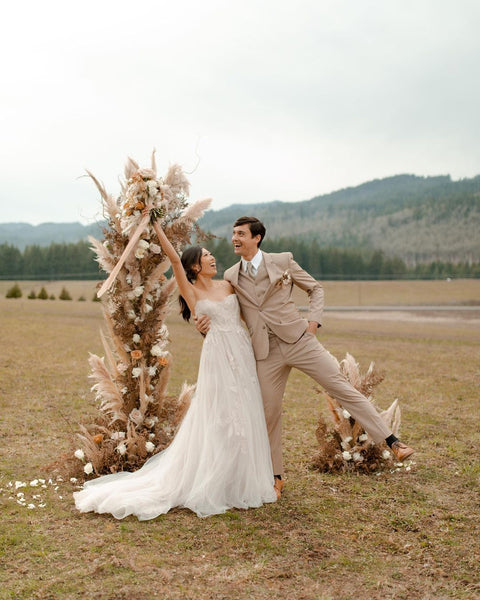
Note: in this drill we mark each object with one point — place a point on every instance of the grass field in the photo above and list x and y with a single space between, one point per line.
395 535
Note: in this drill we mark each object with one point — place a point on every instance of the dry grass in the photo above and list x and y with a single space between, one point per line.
396 535
377 293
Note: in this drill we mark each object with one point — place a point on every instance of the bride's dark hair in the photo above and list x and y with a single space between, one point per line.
191 258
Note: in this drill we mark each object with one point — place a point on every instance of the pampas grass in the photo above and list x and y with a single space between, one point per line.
346 446
130 381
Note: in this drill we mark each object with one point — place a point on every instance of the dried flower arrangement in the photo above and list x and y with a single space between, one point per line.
137 419
347 447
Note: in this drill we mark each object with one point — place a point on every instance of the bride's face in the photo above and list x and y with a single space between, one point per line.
208 264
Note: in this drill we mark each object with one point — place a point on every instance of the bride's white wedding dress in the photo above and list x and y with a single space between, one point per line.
220 456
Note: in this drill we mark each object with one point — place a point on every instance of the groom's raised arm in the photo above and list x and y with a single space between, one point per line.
314 289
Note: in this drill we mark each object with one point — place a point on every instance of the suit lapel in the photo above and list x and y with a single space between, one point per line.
272 272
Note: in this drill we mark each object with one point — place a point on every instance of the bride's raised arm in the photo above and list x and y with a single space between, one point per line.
184 286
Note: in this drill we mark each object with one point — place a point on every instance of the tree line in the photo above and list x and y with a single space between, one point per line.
337 263
76 261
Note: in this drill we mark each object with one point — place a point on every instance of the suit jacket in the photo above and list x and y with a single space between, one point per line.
274 308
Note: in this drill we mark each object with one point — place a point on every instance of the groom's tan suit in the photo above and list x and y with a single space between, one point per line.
280 341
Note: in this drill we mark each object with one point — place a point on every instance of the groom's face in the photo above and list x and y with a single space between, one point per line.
243 243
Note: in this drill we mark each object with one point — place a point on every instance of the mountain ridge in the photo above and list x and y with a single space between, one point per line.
413 217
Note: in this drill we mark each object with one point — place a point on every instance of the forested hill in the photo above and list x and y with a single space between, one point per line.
414 218
21 235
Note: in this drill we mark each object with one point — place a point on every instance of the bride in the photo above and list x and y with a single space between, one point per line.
220 456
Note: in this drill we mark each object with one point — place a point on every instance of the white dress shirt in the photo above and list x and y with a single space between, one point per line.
256 261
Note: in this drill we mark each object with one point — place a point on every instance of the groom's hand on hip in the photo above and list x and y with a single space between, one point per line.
202 323
312 327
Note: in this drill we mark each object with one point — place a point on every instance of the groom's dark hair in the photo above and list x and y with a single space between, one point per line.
255 225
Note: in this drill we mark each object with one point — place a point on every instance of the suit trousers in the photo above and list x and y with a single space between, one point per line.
309 356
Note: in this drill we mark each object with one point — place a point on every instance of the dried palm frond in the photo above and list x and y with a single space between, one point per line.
176 180
119 347
130 167
104 258
111 401
195 211
184 399
392 417
109 356
91 449
153 163
109 202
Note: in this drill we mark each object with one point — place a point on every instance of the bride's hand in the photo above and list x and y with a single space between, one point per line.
147 209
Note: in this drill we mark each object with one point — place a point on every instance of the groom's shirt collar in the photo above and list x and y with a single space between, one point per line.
256 261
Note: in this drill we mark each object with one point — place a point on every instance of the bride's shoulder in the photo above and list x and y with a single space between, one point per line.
226 286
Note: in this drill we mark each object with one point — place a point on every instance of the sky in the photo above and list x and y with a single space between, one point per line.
258 100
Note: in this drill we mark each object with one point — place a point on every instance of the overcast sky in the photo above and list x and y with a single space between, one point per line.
261 100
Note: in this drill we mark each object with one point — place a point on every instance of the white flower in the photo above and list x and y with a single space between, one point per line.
156 350
151 436
348 439
136 372
31 506
163 332
363 437
345 414
345 445
346 455
136 416
138 291
143 244
357 456
118 435
155 249
131 315
136 338
124 390
149 447
152 371
88 468
73 479
34 483
385 454
19 484
152 187
148 308
121 449
128 279
139 253
80 454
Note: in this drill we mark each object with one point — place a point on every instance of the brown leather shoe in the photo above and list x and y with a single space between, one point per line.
278 487
401 451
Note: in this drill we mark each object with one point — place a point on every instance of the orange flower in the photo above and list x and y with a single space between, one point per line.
98 438
162 361
139 206
136 354
162 277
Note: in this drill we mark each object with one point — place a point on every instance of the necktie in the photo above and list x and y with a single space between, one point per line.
251 269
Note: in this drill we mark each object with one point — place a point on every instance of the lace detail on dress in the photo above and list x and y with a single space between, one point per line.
220 457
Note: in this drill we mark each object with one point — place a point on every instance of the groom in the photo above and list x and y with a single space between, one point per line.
282 339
